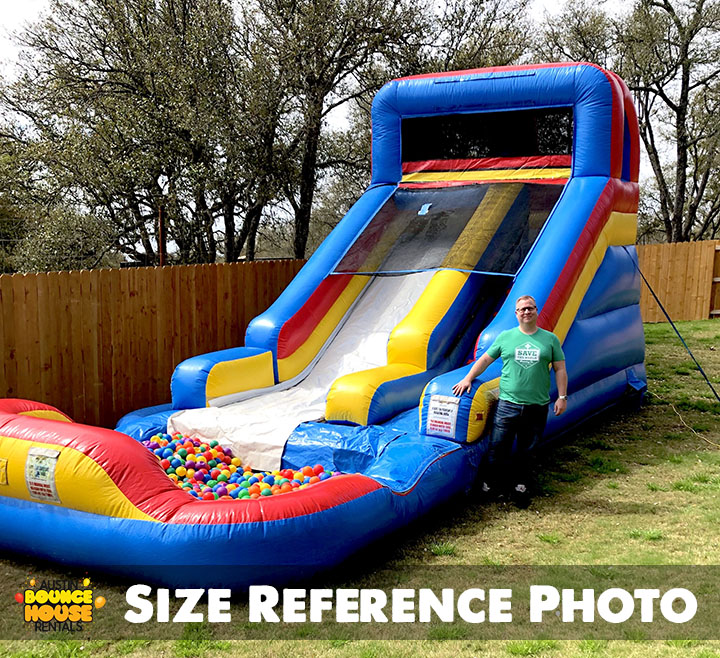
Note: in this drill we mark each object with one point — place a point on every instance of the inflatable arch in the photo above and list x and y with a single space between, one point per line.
486 184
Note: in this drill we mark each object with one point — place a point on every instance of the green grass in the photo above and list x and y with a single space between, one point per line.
531 647
646 535
633 487
550 538
443 548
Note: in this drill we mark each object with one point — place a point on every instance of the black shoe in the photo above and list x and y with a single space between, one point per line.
520 495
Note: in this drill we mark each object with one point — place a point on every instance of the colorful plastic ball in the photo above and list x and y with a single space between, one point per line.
266 492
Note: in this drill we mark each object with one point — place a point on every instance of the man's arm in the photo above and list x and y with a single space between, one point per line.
465 384
561 379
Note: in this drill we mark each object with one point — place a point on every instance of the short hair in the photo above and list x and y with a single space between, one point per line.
525 297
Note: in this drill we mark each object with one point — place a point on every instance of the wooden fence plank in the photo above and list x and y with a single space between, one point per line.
7 334
46 333
77 374
715 294
706 258
105 353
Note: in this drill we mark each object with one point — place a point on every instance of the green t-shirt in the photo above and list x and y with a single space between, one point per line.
526 359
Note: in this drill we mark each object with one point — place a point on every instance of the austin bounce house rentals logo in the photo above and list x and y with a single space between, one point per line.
59 605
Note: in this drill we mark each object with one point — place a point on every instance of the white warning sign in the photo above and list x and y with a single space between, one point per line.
40 474
442 415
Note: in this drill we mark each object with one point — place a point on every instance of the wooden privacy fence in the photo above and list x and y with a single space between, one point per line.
686 278
97 344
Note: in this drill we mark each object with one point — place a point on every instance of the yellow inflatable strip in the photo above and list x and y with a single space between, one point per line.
239 375
350 397
49 414
81 483
484 398
487 175
408 342
476 236
294 364
620 229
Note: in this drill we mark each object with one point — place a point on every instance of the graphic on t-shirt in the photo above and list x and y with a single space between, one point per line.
527 355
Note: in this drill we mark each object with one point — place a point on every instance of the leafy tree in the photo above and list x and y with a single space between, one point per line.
581 32
12 222
127 102
63 239
323 48
217 121
668 52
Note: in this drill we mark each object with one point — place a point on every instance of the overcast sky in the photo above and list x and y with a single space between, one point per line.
15 13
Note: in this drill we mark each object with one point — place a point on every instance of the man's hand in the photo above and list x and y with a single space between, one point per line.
560 406
462 386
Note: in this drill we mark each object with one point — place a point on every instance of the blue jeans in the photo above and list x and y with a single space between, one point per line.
524 422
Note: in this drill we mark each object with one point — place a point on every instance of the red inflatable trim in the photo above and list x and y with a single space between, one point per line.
457 183
631 117
298 328
18 406
499 69
529 162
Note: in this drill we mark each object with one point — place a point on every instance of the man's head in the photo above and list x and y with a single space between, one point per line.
526 311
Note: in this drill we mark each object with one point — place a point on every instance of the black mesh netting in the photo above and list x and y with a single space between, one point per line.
485 228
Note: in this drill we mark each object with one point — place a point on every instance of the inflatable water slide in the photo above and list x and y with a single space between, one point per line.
486 185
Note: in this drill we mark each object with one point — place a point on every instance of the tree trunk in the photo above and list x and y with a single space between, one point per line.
228 210
313 125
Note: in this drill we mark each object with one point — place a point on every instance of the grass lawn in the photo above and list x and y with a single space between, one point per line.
630 488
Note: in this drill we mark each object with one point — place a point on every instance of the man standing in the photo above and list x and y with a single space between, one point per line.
526 352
